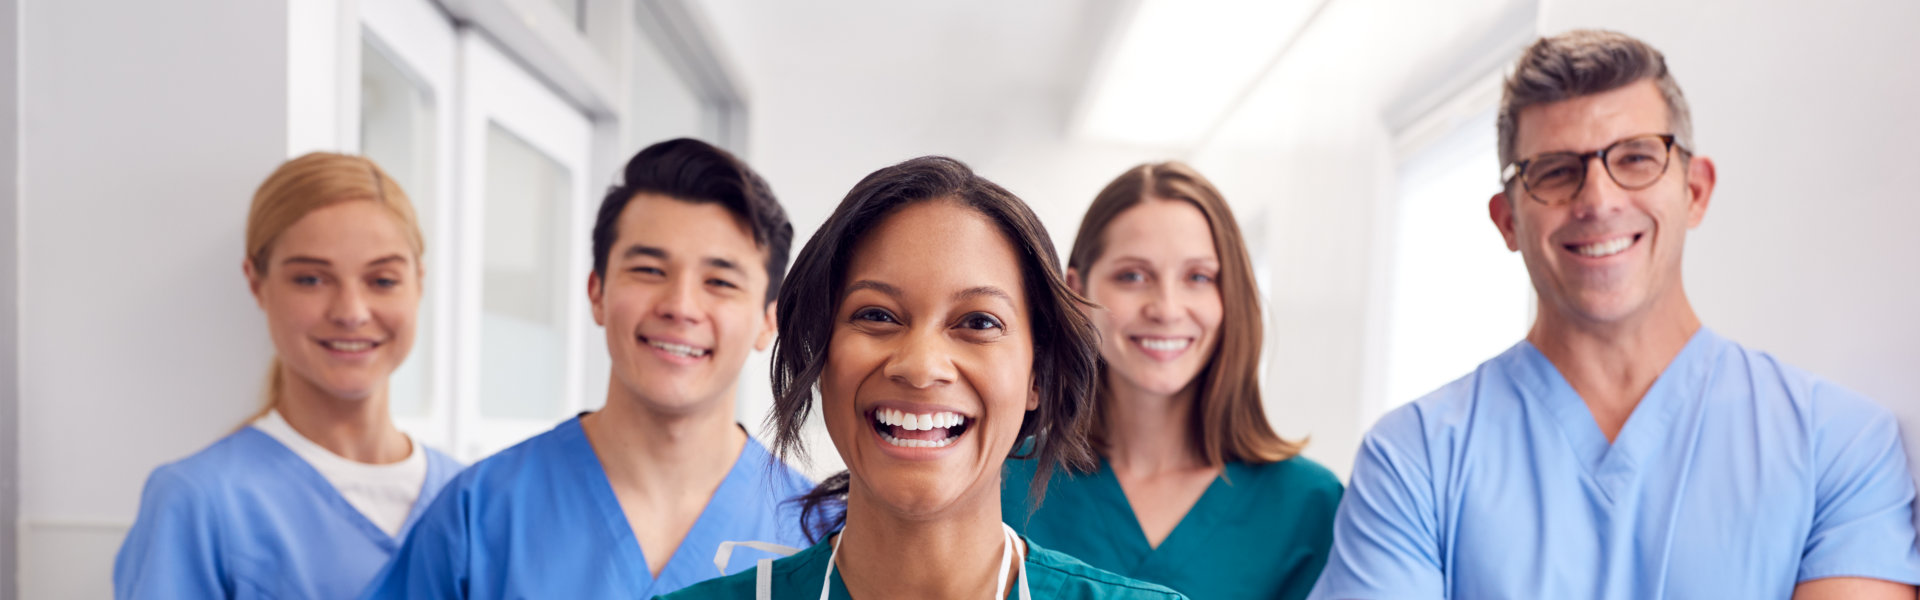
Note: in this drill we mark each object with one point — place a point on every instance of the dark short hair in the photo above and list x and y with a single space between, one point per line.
693 171
1065 344
1584 62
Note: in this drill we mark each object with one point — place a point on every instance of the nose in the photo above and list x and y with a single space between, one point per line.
1159 307
349 311
1599 194
680 302
921 361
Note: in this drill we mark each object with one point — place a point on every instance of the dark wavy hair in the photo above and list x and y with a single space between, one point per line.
690 170
1066 346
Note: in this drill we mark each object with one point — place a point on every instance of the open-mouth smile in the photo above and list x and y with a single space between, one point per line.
936 429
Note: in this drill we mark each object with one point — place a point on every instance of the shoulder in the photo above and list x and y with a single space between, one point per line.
1298 475
788 481
534 459
1079 580
233 462
1827 406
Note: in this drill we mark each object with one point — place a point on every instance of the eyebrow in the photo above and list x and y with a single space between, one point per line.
1185 261
662 254
894 292
310 260
869 284
985 290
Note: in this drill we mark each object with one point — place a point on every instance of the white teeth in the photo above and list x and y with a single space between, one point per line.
917 422
1165 344
1606 248
679 349
349 346
942 443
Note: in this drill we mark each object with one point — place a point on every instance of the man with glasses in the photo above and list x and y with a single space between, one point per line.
1621 450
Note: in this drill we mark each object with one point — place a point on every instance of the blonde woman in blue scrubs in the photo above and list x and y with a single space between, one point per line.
313 496
1193 490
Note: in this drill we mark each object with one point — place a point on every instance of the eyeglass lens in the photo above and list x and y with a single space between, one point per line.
1633 163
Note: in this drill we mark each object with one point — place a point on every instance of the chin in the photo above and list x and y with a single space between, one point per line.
1609 307
916 497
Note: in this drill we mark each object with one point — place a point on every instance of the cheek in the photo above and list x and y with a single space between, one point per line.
848 362
293 314
1208 310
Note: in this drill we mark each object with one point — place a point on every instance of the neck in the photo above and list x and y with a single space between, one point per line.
659 454
357 430
1147 432
1611 365
955 556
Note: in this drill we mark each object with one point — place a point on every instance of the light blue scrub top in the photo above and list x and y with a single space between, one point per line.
539 520
248 518
1737 476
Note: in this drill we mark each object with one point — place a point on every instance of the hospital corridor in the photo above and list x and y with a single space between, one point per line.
1060 299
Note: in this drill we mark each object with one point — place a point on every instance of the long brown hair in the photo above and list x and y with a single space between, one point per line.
1229 422
1065 345
306 184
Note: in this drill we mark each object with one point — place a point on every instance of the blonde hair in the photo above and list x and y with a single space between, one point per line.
306 184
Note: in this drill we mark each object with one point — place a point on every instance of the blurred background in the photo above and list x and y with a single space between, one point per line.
1353 137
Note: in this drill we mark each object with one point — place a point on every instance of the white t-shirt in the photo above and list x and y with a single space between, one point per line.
384 493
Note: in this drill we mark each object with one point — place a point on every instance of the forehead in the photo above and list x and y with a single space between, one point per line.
935 248
1590 122
686 230
345 232
1159 229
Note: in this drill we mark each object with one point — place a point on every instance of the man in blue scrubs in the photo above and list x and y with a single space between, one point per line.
633 501
1622 450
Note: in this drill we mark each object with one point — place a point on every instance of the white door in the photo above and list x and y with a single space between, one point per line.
405 122
522 261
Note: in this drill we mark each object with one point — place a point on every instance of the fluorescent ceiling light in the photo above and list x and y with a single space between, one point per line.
1177 66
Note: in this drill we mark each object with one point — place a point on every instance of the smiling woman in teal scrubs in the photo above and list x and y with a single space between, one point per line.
1194 490
929 312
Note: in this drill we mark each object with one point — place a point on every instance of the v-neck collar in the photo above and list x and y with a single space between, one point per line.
626 543
1191 532
287 461
1614 465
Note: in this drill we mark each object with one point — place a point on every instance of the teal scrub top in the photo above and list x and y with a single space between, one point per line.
1049 575
1259 531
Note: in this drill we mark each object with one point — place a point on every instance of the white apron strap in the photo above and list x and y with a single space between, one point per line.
763 579
725 554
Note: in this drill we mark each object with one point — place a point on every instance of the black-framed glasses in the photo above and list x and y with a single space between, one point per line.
1556 177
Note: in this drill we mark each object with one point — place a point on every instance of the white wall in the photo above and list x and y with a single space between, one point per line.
140 149
1808 109
1313 142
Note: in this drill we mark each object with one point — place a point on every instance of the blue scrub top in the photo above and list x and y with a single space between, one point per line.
248 518
539 520
1050 575
1737 476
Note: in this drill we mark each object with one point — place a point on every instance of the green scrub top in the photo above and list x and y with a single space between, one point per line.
1259 531
1049 575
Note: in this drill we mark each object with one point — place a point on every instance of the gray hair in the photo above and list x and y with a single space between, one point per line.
1584 62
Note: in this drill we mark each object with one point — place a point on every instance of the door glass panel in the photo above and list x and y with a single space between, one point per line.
397 130
523 316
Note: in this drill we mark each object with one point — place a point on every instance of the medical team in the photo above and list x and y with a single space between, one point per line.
1020 427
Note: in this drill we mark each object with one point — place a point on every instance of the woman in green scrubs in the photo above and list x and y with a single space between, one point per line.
929 313
1193 489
